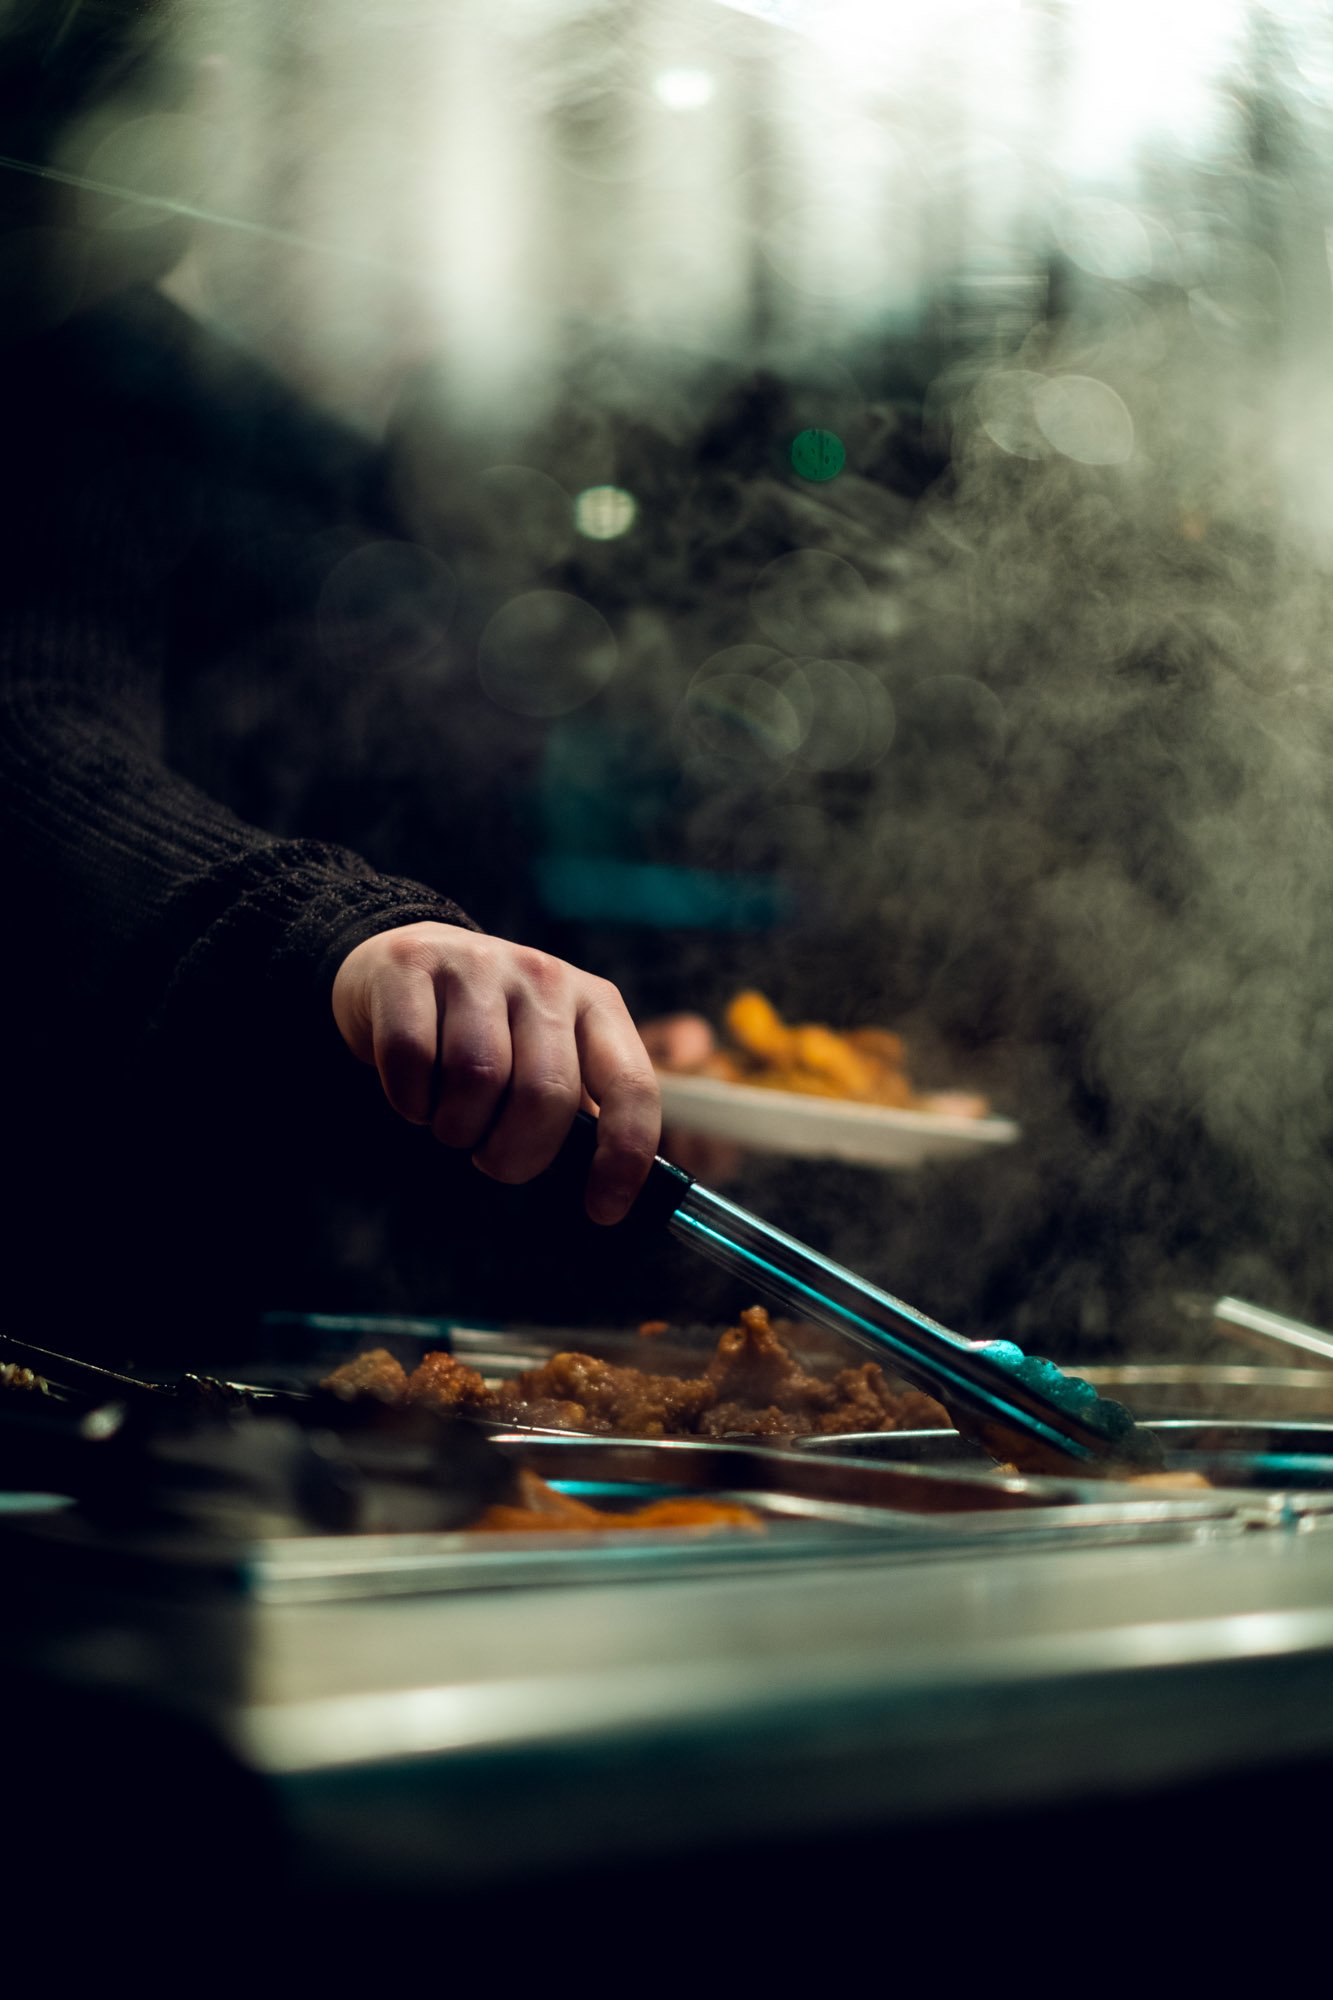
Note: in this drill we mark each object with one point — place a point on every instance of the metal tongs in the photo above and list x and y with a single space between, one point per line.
90 1378
1023 1410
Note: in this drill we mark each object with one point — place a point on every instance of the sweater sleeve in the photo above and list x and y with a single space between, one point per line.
153 908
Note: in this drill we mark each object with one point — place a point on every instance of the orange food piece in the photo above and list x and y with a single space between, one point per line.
542 1509
756 1025
825 1054
862 1065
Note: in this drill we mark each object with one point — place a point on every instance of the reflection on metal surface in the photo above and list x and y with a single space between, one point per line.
1234 1315
509 1715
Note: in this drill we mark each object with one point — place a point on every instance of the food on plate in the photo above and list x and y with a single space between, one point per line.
752 1386
863 1065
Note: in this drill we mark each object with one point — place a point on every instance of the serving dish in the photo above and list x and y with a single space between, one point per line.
1155 1389
1258 1455
810 1510
785 1122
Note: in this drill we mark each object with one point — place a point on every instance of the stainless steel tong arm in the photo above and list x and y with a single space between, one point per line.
992 1381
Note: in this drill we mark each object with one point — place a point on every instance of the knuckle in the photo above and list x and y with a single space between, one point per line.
477 1073
408 949
546 974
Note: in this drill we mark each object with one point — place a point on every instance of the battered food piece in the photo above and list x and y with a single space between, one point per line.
440 1382
375 1373
753 1386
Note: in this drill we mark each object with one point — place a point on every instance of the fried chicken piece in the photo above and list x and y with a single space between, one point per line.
827 1055
543 1412
753 1386
375 1373
441 1382
752 1366
756 1026
616 1399
863 1401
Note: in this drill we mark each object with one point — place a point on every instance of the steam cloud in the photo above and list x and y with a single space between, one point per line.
1029 706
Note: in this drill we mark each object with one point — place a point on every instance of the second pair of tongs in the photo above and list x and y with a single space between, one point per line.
90 1378
1025 1411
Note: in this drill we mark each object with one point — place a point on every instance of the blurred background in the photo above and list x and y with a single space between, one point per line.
863 516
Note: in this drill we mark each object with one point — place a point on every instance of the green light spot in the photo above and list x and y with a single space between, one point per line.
818 454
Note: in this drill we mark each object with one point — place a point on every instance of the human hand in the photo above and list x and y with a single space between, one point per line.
495 1045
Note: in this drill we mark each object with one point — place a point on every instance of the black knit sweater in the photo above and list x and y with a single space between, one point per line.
176 1081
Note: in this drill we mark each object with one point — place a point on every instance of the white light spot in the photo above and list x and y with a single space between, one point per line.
1084 419
684 89
604 512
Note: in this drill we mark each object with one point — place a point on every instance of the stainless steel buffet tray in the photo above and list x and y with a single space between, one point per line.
814 1509
1247 1455
1155 1389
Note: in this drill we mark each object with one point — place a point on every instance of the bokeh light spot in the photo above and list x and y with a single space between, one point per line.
818 455
1105 238
810 601
1006 405
604 512
735 716
387 603
828 699
1084 419
523 513
545 653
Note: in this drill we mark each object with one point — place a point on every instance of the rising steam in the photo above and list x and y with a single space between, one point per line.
1026 706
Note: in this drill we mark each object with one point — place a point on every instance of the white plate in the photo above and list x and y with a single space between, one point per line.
830 1128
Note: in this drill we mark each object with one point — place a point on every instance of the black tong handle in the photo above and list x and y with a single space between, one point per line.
661 1195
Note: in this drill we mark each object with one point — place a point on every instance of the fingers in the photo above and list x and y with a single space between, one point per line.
401 1006
476 1055
617 1072
494 1046
545 1088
